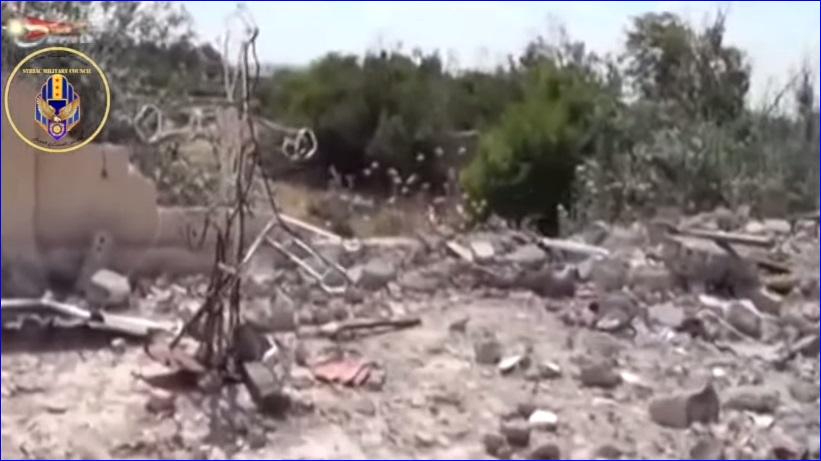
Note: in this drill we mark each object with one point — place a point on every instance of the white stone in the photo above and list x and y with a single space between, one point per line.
508 364
482 250
108 288
543 420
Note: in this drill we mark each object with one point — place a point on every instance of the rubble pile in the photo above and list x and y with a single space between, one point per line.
695 338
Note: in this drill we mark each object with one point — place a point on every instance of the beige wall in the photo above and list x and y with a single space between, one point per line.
56 205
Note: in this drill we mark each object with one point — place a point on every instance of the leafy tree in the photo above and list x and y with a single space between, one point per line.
144 48
526 163
687 70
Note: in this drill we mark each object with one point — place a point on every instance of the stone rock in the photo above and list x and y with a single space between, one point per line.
668 315
420 282
744 317
118 346
810 311
509 364
725 219
161 402
487 350
517 433
803 391
600 373
615 311
301 378
777 226
609 274
108 288
545 451
753 398
256 438
364 406
250 343
670 412
524 410
620 238
549 370
424 439
608 451
323 315
482 250
459 325
376 380
528 256
755 228
807 346
494 444
681 410
376 274
786 447
271 315
765 300
650 279
306 317
545 282
701 263
595 233
282 319
543 420
707 448
264 387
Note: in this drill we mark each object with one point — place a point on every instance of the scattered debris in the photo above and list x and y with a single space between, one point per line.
265 388
682 410
496 446
745 318
459 325
600 373
756 399
352 372
107 288
707 448
337 329
545 451
516 433
543 420
572 247
161 402
487 349
508 364
803 391
376 274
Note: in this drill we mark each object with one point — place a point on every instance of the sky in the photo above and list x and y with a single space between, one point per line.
778 36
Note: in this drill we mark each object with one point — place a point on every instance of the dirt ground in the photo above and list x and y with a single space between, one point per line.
86 403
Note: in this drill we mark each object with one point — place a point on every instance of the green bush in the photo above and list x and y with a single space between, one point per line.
526 164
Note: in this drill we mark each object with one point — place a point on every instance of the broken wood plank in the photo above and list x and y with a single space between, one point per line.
334 329
264 387
311 228
461 251
728 237
570 246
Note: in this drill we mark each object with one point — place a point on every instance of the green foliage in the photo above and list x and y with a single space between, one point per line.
144 48
387 107
691 71
526 164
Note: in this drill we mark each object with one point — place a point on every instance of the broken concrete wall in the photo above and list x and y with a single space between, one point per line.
61 211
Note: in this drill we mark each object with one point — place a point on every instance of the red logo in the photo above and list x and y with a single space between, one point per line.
29 32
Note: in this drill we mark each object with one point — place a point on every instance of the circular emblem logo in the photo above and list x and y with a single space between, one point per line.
60 92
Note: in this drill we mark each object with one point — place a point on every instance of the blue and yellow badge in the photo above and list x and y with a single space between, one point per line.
57 107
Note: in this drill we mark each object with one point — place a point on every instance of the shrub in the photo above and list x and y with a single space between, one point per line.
526 164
